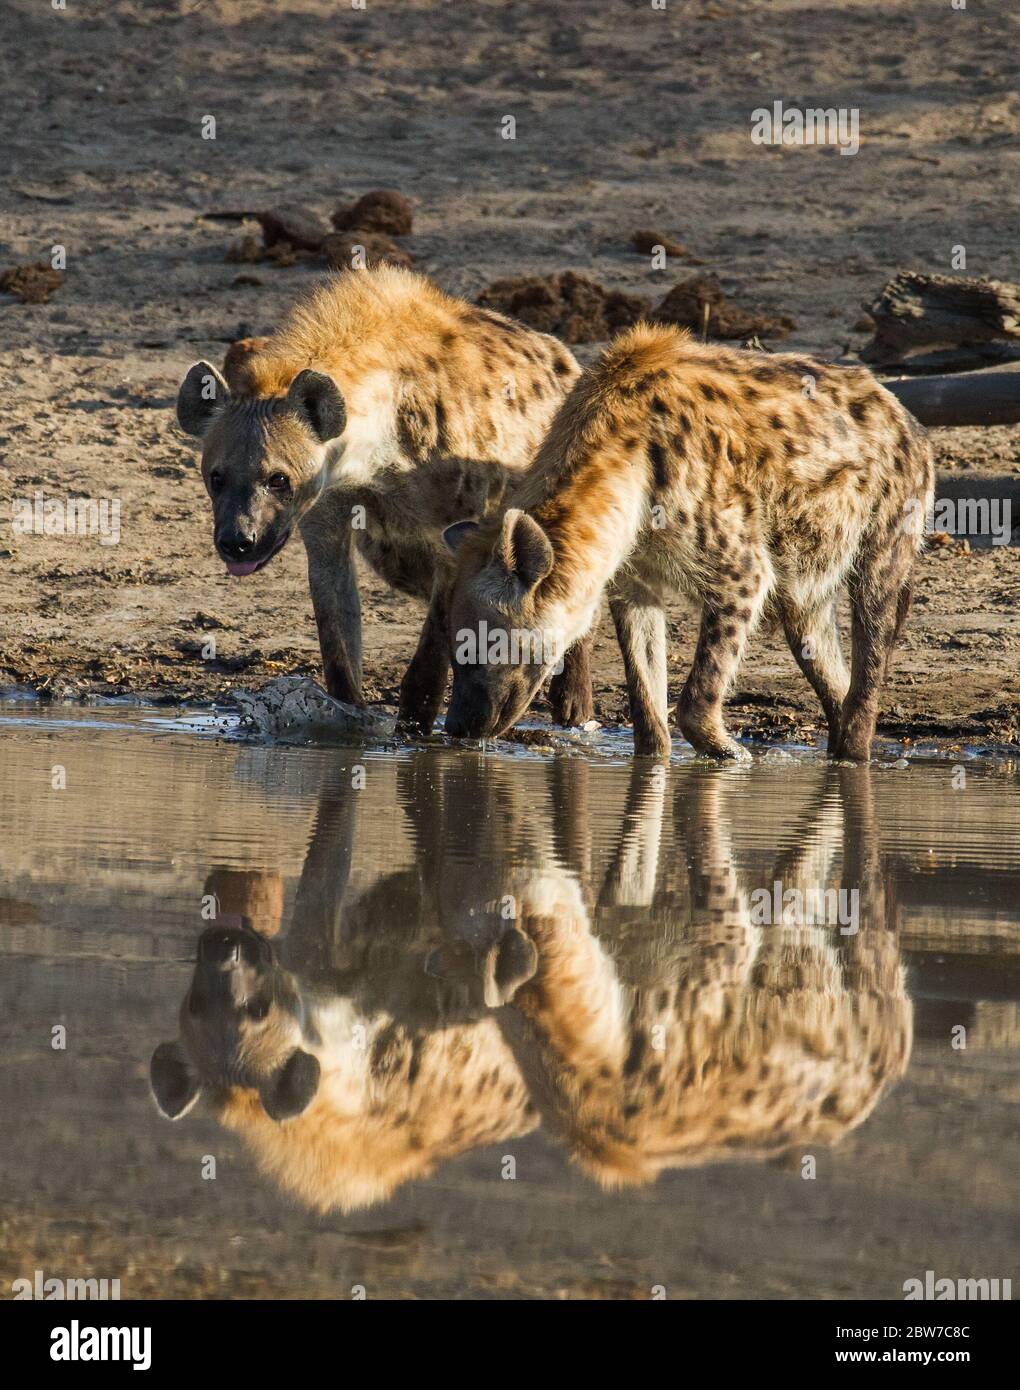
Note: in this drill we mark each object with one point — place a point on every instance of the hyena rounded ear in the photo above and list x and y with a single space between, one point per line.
455 535
175 1087
317 399
523 548
291 1089
202 390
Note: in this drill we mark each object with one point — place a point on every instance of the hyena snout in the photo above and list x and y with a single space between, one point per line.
235 542
233 969
481 707
229 946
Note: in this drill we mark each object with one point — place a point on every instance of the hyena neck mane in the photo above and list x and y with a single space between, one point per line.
588 489
356 325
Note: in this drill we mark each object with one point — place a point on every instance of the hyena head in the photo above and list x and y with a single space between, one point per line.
506 633
263 457
240 1026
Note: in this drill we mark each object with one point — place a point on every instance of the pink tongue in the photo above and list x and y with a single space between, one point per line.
247 567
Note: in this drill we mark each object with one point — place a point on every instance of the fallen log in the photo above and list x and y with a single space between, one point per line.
970 398
917 312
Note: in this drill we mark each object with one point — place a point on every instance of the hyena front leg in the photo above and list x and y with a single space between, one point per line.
732 604
326 532
641 631
424 683
570 691
813 634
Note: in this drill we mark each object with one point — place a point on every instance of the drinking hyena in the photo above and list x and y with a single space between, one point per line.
753 484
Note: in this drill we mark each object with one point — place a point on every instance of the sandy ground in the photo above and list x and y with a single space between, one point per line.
626 116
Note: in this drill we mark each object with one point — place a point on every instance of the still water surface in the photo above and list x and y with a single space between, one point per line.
529 1025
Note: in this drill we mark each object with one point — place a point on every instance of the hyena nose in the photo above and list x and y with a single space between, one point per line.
236 545
219 946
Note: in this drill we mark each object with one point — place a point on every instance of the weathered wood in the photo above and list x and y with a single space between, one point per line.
971 398
918 312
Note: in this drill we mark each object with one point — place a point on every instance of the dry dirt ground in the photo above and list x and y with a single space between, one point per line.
627 116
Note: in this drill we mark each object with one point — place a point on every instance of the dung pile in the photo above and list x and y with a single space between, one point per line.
574 308
579 310
698 303
362 234
33 284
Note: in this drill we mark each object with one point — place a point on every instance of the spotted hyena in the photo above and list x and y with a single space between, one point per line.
381 411
667 1026
753 484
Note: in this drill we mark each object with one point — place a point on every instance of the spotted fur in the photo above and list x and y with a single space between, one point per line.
751 484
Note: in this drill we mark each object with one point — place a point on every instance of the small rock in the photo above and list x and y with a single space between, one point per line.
359 250
295 224
383 210
245 251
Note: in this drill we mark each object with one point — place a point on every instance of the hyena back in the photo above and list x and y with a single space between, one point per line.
380 412
751 483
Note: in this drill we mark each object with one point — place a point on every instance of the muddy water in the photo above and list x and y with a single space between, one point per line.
566 1026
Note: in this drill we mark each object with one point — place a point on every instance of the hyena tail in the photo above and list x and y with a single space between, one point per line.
880 590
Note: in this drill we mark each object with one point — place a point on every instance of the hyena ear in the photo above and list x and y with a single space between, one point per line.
523 548
202 390
290 1090
454 536
175 1087
317 399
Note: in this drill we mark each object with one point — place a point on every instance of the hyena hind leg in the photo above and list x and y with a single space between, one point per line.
879 600
570 693
813 634
640 623
903 603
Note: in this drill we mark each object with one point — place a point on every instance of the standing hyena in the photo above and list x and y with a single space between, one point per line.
747 482
381 411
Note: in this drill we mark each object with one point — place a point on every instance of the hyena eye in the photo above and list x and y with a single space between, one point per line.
257 1009
215 482
278 482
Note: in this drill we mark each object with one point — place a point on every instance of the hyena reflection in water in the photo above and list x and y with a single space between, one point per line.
645 1019
663 1028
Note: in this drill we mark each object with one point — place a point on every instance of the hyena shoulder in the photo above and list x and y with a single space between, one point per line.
458 379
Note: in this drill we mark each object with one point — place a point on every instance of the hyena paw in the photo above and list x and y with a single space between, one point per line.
571 706
719 746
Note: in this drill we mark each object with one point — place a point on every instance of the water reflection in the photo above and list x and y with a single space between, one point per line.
653 1008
